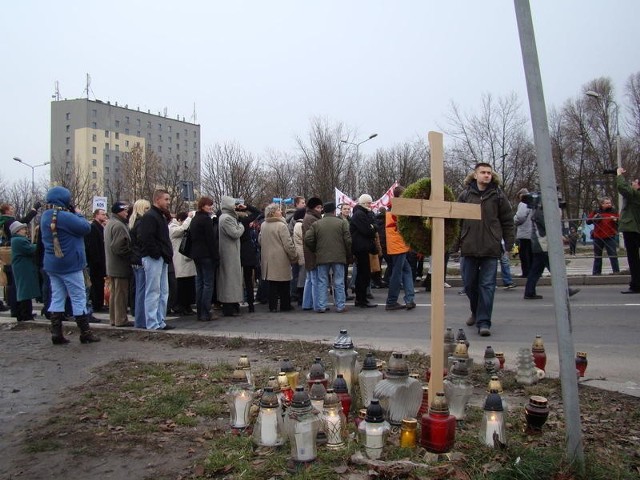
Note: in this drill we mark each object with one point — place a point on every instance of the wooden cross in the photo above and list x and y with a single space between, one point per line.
437 209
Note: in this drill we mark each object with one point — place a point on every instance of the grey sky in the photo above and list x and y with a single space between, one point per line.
259 70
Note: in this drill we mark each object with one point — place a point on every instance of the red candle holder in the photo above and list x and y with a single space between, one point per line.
581 363
438 427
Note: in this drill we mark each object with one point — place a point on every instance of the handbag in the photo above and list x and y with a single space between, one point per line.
185 244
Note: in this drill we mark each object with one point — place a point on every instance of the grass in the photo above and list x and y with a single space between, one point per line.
139 403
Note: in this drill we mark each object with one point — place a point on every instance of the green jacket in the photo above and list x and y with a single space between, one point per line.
23 265
630 214
329 239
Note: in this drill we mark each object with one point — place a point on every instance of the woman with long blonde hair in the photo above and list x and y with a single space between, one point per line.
140 207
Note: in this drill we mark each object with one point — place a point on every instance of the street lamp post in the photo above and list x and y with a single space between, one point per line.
600 98
357 145
33 170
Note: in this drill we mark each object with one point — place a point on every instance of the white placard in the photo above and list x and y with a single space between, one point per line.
99 203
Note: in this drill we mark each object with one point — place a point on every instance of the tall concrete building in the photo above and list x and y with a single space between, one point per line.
96 142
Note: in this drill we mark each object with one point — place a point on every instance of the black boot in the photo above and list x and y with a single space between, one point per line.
57 338
86 335
300 295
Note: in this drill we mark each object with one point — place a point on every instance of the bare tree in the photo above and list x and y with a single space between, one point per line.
18 194
632 93
282 176
228 169
497 136
326 161
78 182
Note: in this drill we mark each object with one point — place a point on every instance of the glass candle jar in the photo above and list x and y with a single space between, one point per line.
408 433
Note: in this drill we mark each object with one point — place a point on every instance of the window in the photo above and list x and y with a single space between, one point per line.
117 147
194 134
177 135
149 124
67 140
94 112
106 157
195 144
159 138
94 175
117 123
126 120
106 146
94 137
169 127
67 152
68 128
67 116
159 148
178 157
159 126
106 133
149 136
138 121
126 143
106 170
185 164
138 133
177 146
169 150
106 182
126 131
117 161
94 125
94 150
117 135
94 162
169 139
137 144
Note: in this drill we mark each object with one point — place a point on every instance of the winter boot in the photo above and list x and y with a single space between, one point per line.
86 335
57 338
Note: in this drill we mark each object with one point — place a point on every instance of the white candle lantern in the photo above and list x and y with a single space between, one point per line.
301 424
269 426
239 398
492 430
457 389
344 357
368 378
245 365
399 394
334 421
375 430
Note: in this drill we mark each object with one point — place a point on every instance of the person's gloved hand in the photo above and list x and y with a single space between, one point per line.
37 205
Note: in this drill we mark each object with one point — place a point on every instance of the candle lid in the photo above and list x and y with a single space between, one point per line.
460 367
489 353
273 383
370 362
317 391
493 402
397 367
439 404
316 371
238 376
269 399
244 362
375 412
448 336
300 399
582 354
538 401
461 350
409 423
340 384
343 341
331 399
286 365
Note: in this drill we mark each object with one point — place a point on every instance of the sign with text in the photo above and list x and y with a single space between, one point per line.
99 203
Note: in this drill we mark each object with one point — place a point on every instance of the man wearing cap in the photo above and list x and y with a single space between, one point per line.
117 250
329 239
310 294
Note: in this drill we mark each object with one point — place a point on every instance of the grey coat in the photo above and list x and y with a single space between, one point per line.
522 220
229 279
277 250
329 239
117 248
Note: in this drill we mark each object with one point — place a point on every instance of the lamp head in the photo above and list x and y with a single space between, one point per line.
592 93
374 135
17 159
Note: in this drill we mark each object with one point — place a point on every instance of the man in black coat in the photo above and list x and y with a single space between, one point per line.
157 253
94 248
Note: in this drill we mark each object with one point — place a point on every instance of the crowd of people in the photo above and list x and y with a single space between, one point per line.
133 262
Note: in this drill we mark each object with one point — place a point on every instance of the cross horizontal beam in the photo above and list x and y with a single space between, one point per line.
435 208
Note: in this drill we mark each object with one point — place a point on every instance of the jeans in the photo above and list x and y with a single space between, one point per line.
205 271
310 295
156 292
632 244
505 269
339 295
610 245
539 262
139 316
401 275
71 284
479 277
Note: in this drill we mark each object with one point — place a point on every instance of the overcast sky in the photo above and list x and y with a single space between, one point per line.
258 71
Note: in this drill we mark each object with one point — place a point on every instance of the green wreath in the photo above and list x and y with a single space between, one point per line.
416 231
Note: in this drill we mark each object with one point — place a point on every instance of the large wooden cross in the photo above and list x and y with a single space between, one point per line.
437 209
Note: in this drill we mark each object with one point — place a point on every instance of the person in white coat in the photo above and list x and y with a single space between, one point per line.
522 221
184 267
229 279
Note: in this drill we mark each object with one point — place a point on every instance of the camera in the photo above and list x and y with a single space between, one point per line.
239 201
532 199
610 171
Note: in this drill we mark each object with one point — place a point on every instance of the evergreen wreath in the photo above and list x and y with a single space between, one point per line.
416 231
